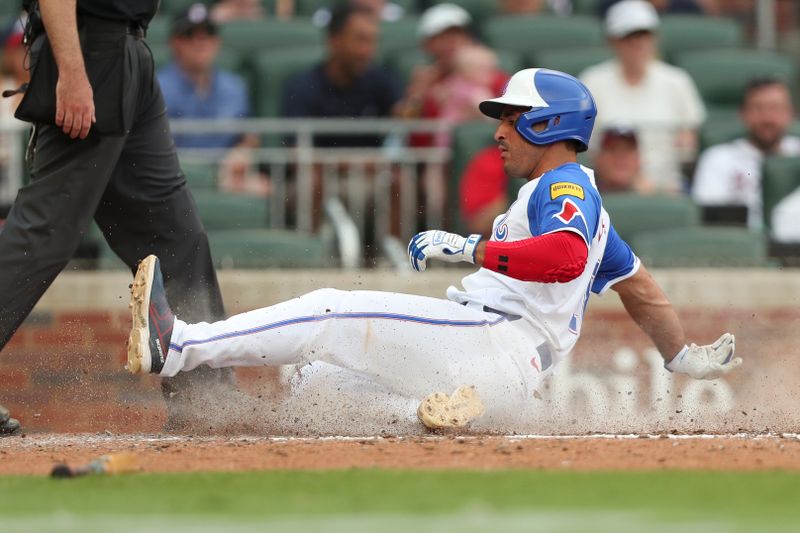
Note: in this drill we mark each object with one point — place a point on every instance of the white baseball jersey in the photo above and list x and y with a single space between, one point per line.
410 346
563 199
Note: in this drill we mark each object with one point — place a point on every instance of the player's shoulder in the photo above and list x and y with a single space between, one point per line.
571 179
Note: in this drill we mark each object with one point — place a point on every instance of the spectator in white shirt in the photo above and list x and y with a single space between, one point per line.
730 173
659 100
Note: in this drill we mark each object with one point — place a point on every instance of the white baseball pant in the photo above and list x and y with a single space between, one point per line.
409 345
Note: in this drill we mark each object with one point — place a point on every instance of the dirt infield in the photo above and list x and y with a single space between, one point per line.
36 454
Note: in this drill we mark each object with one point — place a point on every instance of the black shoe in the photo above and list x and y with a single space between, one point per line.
148 343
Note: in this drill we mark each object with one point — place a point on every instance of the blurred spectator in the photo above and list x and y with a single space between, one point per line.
521 7
617 165
194 88
484 191
659 100
381 9
13 75
470 84
228 10
671 7
443 31
347 83
730 173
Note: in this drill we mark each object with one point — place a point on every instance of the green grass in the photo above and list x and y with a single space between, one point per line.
389 501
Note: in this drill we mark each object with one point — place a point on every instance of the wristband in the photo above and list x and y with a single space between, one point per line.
470 245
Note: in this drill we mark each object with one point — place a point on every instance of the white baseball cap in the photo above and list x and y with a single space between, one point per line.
441 17
630 16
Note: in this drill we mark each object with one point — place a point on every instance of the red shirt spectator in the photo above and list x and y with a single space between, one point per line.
484 191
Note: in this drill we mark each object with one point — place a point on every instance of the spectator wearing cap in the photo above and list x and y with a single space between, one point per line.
194 87
617 164
443 31
659 100
729 174
346 83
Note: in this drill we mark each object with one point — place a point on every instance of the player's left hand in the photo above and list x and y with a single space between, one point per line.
441 245
707 362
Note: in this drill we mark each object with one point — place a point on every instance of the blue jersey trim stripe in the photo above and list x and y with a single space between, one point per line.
331 316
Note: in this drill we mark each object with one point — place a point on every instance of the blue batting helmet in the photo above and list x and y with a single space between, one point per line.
554 97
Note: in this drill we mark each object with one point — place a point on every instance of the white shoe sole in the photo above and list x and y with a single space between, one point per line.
440 411
139 358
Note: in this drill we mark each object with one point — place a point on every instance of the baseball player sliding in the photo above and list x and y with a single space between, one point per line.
492 342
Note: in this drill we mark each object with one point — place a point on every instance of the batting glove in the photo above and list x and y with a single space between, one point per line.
441 245
706 362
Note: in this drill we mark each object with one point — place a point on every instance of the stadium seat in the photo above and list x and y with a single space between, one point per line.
573 60
171 7
273 69
306 8
586 7
721 75
700 247
481 10
468 139
229 211
533 34
158 31
253 36
722 127
200 175
781 176
681 33
266 248
399 36
632 214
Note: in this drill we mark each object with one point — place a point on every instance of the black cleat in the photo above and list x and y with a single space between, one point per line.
148 343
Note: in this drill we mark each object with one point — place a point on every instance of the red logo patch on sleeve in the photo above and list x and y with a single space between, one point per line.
568 211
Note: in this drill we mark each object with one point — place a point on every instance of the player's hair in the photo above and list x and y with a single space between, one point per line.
759 82
341 13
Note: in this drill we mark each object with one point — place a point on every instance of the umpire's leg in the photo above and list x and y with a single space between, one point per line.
147 209
49 217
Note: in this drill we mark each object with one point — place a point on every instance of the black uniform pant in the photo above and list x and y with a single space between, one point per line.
131 185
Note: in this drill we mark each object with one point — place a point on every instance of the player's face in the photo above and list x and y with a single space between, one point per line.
520 157
768 113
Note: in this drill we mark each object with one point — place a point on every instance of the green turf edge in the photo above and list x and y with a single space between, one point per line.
751 497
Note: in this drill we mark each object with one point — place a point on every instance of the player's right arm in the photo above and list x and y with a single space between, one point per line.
649 307
74 97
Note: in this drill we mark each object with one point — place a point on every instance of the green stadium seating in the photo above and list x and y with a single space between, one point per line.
254 36
273 69
468 139
586 7
200 175
229 211
721 75
533 34
573 60
781 176
172 7
632 214
700 247
265 248
158 31
481 10
681 33
398 36
306 8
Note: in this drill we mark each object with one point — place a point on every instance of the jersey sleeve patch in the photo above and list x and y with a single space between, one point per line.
564 188
565 202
